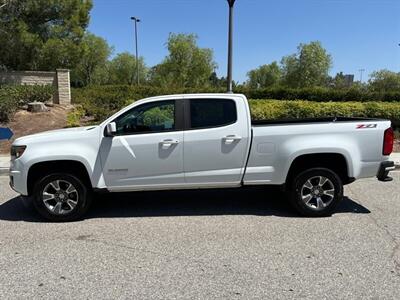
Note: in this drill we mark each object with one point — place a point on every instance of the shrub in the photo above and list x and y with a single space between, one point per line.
112 97
24 94
12 97
8 107
320 94
74 116
281 109
102 101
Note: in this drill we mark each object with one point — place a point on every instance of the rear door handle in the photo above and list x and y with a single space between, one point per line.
229 139
168 143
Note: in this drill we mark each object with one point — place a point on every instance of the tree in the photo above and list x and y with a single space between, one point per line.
384 81
308 67
341 81
219 82
42 34
186 65
122 69
264 76
95 52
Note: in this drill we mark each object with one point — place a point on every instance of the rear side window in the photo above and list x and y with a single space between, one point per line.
212 113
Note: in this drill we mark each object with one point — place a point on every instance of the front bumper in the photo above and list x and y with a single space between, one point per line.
18 177
384 170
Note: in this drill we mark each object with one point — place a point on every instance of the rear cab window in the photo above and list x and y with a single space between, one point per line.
208 113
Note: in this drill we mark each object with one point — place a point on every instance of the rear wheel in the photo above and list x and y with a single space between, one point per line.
61 197
316 192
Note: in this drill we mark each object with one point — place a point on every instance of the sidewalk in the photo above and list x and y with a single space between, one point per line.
5 162
396 158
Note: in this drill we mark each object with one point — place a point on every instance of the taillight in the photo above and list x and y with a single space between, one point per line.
388 141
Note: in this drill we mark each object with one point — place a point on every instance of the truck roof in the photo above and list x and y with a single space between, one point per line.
194 95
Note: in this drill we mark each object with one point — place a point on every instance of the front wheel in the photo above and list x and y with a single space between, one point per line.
61 197
316 192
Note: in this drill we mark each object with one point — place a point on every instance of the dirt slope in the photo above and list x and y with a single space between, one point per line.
25 123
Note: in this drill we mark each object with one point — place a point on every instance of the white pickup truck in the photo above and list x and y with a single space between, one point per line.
199 141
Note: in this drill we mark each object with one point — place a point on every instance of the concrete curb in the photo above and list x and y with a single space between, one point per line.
4 165
396 158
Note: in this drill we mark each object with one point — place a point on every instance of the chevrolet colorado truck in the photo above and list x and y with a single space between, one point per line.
199 141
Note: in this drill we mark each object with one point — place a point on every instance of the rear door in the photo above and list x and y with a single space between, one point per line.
216 141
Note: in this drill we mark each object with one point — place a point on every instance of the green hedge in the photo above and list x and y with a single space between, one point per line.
14 96
281 109
118 93
321 94
102 101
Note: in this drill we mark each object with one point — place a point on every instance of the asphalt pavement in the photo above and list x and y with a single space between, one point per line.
226 244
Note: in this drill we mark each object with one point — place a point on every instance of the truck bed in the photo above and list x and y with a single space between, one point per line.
310 120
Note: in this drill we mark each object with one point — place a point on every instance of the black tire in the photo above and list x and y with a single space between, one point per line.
321 204
81 194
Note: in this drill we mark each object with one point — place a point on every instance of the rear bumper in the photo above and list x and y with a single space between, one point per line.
384 170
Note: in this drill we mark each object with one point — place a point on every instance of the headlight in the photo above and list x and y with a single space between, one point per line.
17 151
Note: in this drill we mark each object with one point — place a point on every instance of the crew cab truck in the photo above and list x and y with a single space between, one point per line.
199 141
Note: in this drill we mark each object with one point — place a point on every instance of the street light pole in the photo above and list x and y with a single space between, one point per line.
230 43
136 20
361 74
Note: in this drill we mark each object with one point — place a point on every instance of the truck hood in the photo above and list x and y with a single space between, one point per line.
58 134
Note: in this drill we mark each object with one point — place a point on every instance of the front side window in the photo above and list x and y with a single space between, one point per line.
147 118
212 113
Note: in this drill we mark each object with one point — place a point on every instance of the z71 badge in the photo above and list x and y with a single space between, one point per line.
365 126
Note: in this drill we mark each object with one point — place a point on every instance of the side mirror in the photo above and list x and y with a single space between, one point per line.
111 129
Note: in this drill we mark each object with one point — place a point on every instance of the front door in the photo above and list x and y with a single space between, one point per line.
147 150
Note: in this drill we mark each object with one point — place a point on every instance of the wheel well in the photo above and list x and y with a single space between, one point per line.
41 169
333 161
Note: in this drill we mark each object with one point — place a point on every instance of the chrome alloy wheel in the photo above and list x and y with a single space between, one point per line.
317 192
60 197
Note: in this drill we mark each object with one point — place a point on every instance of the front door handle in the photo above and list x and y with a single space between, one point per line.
168 143
230 139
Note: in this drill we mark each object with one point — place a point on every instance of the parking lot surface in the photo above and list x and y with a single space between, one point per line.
233 244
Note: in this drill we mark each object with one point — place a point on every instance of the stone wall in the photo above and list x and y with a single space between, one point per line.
63 87
59 79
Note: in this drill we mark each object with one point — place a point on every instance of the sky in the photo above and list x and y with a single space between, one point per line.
359 34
